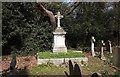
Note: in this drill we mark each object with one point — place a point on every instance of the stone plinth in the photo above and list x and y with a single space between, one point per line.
59 41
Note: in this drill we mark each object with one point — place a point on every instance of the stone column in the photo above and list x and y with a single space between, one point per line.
102 49
92 46
110 46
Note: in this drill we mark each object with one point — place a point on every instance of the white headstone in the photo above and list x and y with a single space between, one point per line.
59 37
92 46
110 46
102 49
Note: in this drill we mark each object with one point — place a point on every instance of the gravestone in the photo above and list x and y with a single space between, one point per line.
92 46
110 47
13 61
102 49
116 56
59 37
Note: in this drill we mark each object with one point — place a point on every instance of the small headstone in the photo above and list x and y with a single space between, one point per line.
59 37
92 46
110 46
102 49
13 61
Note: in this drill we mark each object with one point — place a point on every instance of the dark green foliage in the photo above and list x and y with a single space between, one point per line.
91 19
25 28
107 53
117 74
86 49
108 61
105 73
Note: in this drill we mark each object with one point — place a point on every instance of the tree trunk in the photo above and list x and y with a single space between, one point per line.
50 14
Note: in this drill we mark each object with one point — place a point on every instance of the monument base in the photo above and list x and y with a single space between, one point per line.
60 50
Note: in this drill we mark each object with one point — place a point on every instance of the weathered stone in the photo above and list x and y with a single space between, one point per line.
42 61
76 60
59 37
57 61
66 60
110 46
102 50
92 46
116 56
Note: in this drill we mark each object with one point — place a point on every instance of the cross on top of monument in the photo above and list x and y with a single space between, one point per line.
102 42
58 16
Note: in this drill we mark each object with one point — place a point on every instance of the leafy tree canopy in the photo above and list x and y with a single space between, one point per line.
24 27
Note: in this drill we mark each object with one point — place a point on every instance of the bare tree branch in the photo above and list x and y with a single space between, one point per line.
50 14
71 8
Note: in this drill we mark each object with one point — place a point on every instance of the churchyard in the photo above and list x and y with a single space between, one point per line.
59 52
94 64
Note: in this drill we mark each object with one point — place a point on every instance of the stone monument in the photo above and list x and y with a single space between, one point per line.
110 46
102 49
92 46
59 37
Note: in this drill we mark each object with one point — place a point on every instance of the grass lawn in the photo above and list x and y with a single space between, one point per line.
95 64
99 66
48 70
69 54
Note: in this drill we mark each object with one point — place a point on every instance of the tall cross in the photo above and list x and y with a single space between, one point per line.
58 16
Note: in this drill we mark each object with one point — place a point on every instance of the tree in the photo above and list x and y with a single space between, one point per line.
50 14
24 28
29 29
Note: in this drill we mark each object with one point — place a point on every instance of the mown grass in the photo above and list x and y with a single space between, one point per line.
48 70
69 54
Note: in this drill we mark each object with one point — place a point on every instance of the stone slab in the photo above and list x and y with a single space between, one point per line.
42 61
58 61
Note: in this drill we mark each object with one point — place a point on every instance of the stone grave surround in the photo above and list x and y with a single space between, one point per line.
59 37
59 61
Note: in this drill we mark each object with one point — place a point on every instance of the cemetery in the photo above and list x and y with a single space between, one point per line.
61 39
